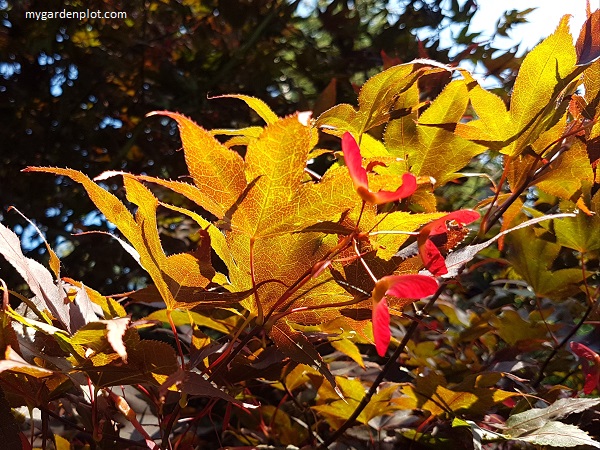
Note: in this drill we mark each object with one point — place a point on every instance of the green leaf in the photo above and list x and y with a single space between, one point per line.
512 328
580 232
532 257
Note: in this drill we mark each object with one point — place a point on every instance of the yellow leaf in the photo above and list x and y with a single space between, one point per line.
390 233
565 175
257 105
216 170
435 151
274 166
545 73
110 307
348 348
376 101
186 317
62 443
300 375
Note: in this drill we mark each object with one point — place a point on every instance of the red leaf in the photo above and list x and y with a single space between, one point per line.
381 326
590 366
433 259
431 256
406 189
358 174
411 286
354 161
402 286
588 42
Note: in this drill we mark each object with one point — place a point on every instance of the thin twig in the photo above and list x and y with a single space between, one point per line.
591 305
384 372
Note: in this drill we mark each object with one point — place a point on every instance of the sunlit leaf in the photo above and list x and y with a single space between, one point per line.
348 348
257 105
216 170
375 102
437 152
539 425
588 42
15 363
546 71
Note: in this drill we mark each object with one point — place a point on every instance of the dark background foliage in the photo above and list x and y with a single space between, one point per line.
75 93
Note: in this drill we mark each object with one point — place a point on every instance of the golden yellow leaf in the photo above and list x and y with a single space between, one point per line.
435 151
217 171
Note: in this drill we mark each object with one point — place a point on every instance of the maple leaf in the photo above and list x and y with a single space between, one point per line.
411 287
426 141
430 254
547 71
590 365
358 174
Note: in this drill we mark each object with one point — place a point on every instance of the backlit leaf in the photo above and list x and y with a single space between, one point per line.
567 173
438 152
216 170
375 102
546 71
257 105
588 42
275 163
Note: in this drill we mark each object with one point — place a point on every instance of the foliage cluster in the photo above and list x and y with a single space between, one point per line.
76 93
340 308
